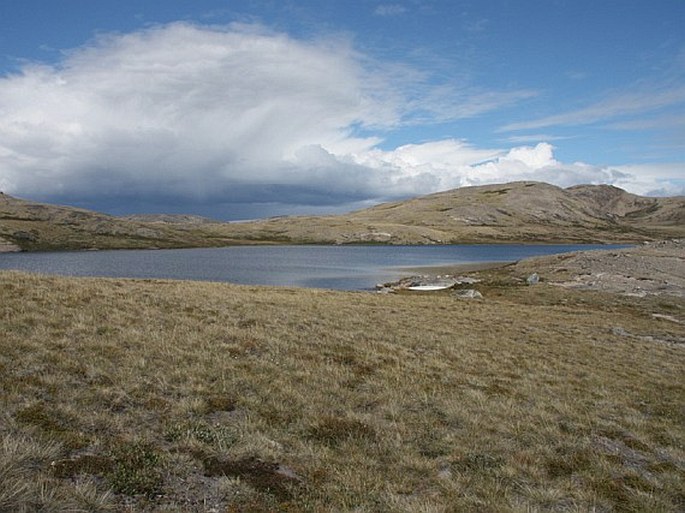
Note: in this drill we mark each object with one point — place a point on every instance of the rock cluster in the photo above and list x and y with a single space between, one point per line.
426 283
654 268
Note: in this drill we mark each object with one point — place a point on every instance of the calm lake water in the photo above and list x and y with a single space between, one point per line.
335 267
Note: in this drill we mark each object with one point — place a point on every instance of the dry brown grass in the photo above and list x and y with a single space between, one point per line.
179 396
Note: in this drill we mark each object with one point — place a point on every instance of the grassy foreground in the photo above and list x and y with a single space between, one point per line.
122 395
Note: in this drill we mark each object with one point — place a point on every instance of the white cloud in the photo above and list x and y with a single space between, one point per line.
538 163
658 179
179 104
210 114
390 10
534 138
576 75
181 113
427 167
442 165
639 101
667 121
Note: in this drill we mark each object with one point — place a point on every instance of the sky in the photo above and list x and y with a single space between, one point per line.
255 108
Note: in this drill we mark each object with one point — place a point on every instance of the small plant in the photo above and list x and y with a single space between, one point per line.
479 462
53 422
215 436
332 430
219 402
136 469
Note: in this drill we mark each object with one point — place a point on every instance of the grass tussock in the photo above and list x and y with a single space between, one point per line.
120 395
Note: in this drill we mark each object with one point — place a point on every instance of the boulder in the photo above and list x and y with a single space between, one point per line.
468 294
467 280
7 247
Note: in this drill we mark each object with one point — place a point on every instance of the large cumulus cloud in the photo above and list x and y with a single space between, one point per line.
186 114
179 110
449 163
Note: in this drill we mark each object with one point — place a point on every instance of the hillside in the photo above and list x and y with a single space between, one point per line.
514 212
536 211
525 212
37 226
168 218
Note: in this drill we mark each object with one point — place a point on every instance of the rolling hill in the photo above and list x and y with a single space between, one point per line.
514 212
525 212
41 227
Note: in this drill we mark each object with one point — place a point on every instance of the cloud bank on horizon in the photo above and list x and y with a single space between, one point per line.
186 114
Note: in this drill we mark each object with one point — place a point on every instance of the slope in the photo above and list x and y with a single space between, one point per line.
519 212
514 212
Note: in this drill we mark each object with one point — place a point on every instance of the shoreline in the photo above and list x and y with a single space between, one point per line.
453 269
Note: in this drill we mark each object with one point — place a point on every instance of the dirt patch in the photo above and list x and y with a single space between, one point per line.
92 464
273 478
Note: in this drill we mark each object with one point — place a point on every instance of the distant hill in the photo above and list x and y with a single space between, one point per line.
40 227
514 212
525 212
169 218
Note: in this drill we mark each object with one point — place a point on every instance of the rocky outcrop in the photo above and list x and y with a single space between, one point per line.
8 247
469 294
426 283
655 268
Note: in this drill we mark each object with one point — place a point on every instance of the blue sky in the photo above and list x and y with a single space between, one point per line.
240 109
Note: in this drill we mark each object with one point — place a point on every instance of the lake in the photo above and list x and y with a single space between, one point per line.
334 267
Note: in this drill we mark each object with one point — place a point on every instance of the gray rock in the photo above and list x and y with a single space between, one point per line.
23 235
469 294
533 279
7 247
147 233
445 473
619 331
288 473
467 281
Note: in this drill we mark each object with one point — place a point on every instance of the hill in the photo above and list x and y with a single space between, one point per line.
168 218
514 212
35 226
524 212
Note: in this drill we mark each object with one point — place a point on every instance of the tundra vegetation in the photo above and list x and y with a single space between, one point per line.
146 395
